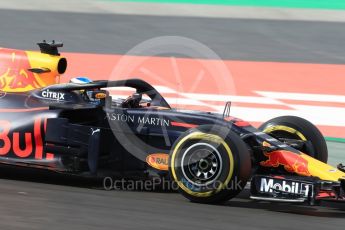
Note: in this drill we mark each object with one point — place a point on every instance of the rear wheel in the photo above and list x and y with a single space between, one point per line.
210 165
296 128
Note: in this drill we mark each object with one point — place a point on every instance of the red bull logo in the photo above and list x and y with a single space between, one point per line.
291 161
22 144
14 73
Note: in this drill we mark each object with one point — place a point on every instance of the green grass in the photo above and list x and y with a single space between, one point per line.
334 139
316 4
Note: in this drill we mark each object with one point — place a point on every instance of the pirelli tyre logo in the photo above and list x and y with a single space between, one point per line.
272 186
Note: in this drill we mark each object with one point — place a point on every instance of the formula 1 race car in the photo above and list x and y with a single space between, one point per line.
81 129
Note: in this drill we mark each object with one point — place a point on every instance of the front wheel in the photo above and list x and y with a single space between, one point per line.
210 164
296 128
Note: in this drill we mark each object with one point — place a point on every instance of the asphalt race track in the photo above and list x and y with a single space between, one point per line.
36 201
239 39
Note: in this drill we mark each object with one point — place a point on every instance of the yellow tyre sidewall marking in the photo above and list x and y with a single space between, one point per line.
207 137
288 129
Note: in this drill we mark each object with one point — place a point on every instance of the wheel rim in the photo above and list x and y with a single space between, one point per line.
201 164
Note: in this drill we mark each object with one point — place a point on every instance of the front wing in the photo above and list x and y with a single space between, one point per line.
296 189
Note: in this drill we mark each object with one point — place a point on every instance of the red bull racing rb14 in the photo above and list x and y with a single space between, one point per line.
80 128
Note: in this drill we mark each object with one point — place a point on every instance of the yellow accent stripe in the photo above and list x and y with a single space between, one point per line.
273 128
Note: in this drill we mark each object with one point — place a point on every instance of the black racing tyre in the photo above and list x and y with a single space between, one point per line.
298 128
210 164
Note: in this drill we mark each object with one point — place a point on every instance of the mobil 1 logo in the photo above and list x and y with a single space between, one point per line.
275 187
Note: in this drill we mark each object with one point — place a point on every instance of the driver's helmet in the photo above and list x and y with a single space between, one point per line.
87 94
80 80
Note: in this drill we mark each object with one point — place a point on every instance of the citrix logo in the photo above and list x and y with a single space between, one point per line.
53 95
269 185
